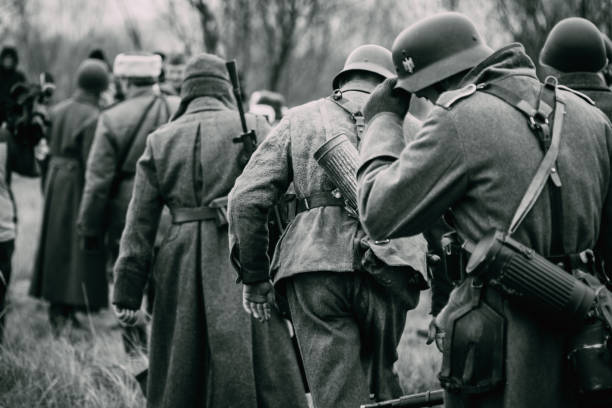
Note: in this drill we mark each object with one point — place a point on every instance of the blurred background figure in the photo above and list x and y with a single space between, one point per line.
9 76
269 104
61 275
20 134
575 52
119 142
175 71
110 95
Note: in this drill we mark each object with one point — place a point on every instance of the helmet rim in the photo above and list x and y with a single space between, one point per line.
444 68
368 67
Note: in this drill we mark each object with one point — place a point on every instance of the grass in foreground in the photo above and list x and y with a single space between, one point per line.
88 368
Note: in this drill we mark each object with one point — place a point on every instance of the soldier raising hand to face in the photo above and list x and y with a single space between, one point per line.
472 161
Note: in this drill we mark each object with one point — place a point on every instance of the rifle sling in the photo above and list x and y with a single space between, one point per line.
134 135
352 109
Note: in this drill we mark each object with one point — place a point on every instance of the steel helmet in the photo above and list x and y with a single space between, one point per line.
436 48
93 76
369 58
574 45
608 45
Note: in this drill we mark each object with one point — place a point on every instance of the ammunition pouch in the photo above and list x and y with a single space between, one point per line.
395 265
590 360
590 350
552 294
473 359
454 257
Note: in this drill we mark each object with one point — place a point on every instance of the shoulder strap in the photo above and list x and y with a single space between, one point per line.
546 169
539 123
577 93
133 136
449 98
354 110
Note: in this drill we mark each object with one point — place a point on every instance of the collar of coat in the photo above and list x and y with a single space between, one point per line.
136 91
508 61
584 80
83 96
208 103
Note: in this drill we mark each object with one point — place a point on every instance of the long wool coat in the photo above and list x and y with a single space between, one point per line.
592 85
205 350
63 272
118 143
477 156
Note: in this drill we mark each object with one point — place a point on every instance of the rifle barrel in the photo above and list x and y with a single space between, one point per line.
233 74
424 399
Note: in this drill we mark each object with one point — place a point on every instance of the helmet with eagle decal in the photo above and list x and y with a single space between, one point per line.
436 48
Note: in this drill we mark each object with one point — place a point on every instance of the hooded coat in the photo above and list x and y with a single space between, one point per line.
63 272
477 156
205 351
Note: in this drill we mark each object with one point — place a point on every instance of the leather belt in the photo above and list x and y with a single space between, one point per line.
184 215
322 199
60 160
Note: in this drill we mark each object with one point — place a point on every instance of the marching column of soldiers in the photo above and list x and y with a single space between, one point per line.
339 216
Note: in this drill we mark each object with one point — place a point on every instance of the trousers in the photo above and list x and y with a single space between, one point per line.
348 329
6 255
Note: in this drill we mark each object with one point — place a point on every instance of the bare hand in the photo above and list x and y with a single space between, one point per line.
258 300
126 317
435 333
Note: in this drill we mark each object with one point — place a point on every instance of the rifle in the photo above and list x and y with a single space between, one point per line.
247 138
424 399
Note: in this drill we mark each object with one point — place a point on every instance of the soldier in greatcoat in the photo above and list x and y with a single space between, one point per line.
64 274
476 154
119 141
205 351
575 50
347 325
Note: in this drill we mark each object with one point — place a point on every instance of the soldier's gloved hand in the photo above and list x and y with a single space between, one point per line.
435 333
127 317
386 99
258 300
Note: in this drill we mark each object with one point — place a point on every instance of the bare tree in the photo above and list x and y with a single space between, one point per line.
172 18
283 22
131 26
208 22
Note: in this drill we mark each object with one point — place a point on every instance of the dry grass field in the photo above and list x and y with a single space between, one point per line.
88 368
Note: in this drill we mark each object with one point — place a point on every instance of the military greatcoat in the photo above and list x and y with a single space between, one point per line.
63 272
205 351
593 85
477 156
118 143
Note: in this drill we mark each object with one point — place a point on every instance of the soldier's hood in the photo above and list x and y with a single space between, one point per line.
510 60
222 97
